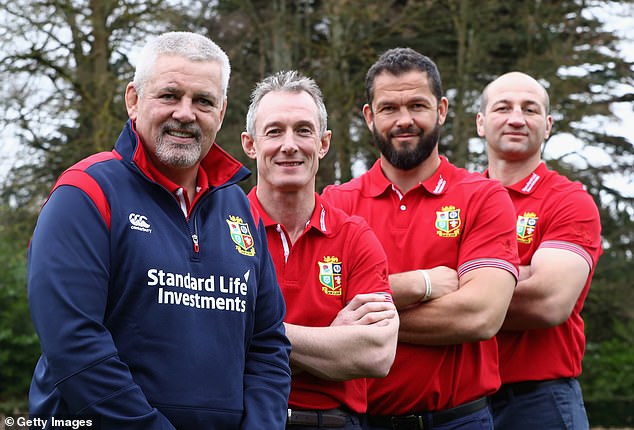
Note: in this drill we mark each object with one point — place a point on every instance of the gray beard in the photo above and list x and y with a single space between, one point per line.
178 155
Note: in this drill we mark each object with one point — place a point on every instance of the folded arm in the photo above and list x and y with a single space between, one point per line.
360 342
409 288
548 289
474 312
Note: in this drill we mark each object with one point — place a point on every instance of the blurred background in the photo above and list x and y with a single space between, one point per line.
64 65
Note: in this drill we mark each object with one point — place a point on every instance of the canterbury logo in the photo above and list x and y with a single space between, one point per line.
139 222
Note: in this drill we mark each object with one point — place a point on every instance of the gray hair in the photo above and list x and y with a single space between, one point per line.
192 46
288 81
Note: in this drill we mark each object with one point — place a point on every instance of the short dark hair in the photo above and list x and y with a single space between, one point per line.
398 61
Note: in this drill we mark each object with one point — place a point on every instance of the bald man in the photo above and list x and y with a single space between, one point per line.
542 341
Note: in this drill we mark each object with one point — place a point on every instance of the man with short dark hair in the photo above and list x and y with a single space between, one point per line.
449 237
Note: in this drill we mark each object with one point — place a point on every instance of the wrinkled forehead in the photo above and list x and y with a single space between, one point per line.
411 84
287 107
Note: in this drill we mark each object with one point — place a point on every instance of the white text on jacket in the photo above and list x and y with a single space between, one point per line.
216 292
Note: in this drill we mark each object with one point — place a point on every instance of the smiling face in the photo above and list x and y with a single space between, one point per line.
405 118
179 111
515 120
287 145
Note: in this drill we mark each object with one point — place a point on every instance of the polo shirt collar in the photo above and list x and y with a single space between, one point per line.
439 182
530 183
320 219
436 184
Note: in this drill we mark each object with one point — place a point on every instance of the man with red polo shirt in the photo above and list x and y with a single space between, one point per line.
428 213
332 270
559 240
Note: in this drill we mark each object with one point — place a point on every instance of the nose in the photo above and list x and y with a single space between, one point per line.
404 119
184 111
516 117
289 146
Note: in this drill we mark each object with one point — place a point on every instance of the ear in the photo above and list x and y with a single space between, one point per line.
223 111
480 124
248 145
132 101
549 126
325 144
443 108
368 115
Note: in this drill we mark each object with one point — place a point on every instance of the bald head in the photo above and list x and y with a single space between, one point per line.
514 82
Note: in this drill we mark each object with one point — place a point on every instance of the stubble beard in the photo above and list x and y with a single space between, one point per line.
179 155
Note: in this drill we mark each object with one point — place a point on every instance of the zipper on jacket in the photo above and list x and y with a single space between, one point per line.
196 246
195 238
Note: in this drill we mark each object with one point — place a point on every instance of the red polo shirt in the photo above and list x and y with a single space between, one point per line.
336 257
552 212
455 219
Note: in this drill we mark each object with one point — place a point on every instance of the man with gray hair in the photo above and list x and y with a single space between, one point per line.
332 270
150 283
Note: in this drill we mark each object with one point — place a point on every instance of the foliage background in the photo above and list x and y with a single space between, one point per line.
64 65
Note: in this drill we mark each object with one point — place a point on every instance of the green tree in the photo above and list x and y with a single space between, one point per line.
19 346
64 65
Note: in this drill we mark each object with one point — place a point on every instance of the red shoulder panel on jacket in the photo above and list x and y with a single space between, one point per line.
77 177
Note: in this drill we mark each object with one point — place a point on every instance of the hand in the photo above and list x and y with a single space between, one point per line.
366 309
444 280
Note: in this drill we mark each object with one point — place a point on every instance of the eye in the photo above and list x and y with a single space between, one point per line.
305 132
205 102
167 96
273 132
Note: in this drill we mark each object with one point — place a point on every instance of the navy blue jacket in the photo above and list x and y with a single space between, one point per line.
149 319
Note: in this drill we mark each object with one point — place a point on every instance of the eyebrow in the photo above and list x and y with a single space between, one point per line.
199 94
523 102
281 124
416 99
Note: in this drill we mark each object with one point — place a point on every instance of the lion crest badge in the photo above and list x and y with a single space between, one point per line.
241 235
330 276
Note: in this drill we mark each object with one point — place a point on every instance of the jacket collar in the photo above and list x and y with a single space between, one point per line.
216 169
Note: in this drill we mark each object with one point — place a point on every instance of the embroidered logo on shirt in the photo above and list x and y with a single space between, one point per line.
448 222
526 226
241 235
330 276
139 222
